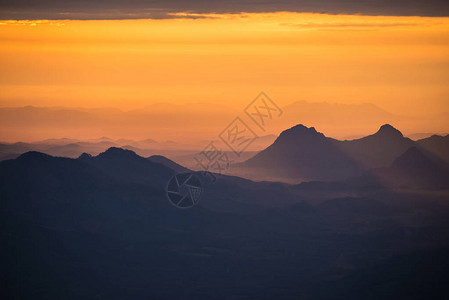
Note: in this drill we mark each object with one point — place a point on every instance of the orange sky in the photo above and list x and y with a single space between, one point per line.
398 63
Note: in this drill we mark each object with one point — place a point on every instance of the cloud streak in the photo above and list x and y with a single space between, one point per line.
347 25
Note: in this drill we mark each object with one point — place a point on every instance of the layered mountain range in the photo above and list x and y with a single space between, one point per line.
101 226
303 153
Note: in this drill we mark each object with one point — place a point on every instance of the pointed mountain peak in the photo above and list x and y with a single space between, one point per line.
301 127
299 134
388 130
301 130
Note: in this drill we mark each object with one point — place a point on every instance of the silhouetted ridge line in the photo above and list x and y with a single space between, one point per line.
84 155
33 155
301 131
114 152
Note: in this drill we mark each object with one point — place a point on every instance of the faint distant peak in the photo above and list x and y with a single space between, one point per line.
30 108
388 130
366 105
435 138
421 135
413 157
413 152
148 141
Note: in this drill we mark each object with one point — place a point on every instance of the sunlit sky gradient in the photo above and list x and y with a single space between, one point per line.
400 64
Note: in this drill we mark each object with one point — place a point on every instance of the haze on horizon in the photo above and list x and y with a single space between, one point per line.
398 63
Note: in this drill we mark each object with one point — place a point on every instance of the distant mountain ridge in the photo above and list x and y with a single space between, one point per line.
299 153
302 152
339 120
164 120
73 148
127 166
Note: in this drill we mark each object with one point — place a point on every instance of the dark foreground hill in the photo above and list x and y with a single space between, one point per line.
101 228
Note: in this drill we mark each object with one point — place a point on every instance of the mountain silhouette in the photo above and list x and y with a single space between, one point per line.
126 165
303 152
379 149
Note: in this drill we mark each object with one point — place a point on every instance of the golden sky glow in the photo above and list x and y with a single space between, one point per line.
398 63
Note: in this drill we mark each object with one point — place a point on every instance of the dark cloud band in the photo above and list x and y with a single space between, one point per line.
157 9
